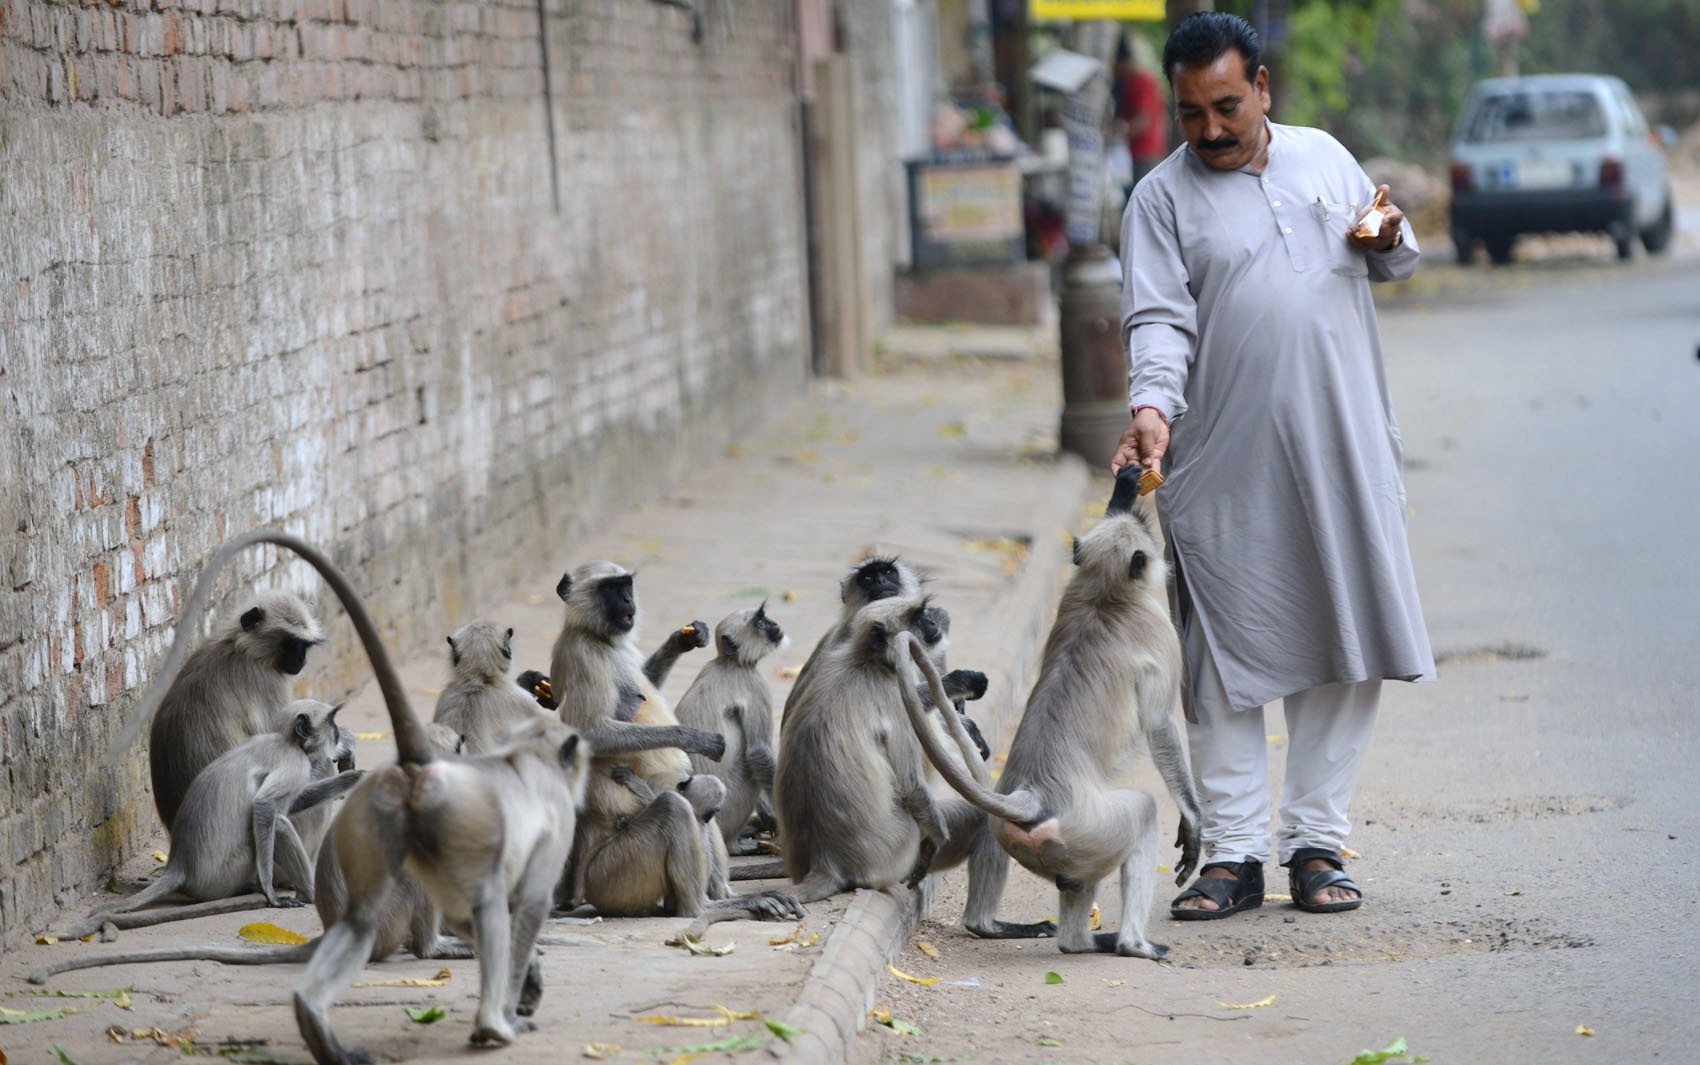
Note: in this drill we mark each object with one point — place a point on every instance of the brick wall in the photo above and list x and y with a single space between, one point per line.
298 262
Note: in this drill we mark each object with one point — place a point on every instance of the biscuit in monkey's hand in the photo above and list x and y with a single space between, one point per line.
1149 482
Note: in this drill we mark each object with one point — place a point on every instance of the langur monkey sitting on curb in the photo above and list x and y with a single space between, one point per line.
1110 675
853 792
233 688
481 702
234 821
730 696
883 577
634 839
486 836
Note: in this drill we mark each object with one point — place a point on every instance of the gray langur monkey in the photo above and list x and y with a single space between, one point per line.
1110 676
486 836
870 580
730 696
882 577
313 819
233 688
234 823
853 790
481 702
410 918
639 847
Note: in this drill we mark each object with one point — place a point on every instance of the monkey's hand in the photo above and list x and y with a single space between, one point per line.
690 637
967 684
288 902
1189 837
536 684
711 745
923 864
627 777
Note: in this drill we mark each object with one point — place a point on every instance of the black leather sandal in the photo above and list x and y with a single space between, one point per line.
1304 884
1244 892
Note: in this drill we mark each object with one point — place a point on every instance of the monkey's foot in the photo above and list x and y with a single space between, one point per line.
1222 888
1144 949
1014 930
494 1035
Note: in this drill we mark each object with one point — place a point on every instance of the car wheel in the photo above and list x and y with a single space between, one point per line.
1625 241
1499 248
1656 238
1464 246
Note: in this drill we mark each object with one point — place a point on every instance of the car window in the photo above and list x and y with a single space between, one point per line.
1633 122
1536 115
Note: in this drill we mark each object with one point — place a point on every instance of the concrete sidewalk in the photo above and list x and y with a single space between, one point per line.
948 461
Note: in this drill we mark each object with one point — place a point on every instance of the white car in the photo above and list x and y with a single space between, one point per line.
1556 153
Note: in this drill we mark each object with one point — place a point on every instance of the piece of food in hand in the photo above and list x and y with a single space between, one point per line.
688 630
1369 223
1149 481
543 690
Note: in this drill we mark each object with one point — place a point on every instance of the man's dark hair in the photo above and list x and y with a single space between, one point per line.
1203 37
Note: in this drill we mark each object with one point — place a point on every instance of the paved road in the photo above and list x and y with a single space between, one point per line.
1528 825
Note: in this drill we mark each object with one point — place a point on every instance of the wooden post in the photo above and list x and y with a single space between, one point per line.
843 304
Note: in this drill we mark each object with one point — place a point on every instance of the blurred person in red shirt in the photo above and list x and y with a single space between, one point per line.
1141 108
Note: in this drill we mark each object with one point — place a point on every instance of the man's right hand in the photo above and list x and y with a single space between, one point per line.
1143 442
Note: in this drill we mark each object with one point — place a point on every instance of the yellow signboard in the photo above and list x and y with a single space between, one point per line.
1081 10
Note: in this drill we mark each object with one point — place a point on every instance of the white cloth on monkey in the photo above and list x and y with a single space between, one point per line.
1249 324
1328 731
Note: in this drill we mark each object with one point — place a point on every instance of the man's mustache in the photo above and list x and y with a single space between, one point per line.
1219 144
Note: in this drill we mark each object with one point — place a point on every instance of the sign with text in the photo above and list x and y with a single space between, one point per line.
965 213
1081 10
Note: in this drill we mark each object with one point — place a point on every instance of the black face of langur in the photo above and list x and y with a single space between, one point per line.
286 640
745 637
877 578
614 595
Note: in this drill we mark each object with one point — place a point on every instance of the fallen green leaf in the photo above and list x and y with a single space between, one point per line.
48 992
903 1027
737 1042
425 1014
784 1031
64 1058
1052 977
1049 1042
1392 1052
26 1016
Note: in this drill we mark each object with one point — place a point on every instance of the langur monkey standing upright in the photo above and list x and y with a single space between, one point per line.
1110 675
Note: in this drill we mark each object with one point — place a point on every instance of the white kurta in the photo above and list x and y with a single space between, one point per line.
1248 322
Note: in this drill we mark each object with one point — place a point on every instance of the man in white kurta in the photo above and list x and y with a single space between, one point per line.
1256 380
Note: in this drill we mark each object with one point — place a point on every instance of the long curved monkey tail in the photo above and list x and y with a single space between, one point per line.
970 787
413 742
300 952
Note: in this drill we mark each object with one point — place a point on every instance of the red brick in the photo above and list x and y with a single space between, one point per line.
103 583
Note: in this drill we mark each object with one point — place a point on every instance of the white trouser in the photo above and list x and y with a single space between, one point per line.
1328 731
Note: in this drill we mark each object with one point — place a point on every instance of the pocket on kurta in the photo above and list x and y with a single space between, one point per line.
1333 220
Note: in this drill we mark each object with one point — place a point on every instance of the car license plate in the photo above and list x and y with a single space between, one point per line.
1531 174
